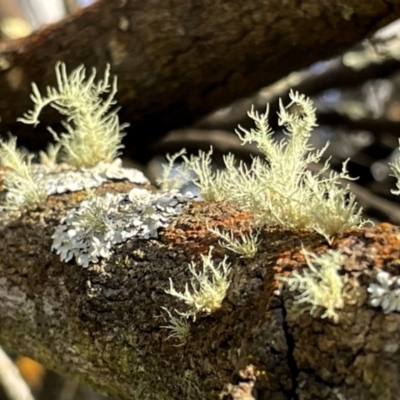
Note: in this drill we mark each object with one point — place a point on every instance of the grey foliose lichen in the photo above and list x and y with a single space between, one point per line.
92 230
385 293
61 178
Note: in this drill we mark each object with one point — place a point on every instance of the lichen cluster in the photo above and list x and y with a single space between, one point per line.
246 244
88 151
91 230
24 190
385 293
278 188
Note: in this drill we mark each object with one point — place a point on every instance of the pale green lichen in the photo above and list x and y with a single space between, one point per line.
319 285
49 157
279 189
173 175
90 231
246 244
207 288
24 191
93 130
87 151
179 327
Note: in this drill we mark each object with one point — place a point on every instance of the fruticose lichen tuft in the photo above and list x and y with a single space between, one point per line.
24 189
179 327
207 288
87 151
319 285
278 188
93 132
246 244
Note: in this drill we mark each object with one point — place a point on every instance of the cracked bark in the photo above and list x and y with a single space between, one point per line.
103 325
179 60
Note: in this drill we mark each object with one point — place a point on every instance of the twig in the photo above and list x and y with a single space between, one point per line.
11 380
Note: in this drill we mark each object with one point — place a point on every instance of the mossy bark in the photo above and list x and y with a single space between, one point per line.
177 61
104 325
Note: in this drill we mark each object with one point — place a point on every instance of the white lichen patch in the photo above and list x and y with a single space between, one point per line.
62 178
90 232
385 293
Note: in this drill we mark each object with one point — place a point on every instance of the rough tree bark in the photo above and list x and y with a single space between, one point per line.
179 60
103 325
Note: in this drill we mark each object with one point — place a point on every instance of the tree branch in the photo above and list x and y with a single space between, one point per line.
178 61
104 324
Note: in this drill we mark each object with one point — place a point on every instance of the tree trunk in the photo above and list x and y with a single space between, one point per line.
104 324
177 61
